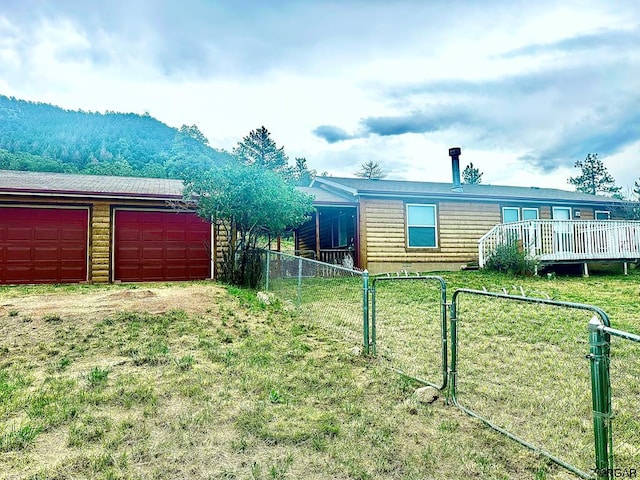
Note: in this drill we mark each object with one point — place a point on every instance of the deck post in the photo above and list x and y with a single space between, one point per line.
626 268
585 269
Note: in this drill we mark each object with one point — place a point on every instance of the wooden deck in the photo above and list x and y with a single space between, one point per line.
557 241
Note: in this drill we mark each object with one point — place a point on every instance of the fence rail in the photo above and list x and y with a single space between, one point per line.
566 240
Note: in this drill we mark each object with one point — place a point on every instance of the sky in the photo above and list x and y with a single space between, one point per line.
525 88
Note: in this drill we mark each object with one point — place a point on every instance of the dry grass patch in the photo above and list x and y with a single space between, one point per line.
199 381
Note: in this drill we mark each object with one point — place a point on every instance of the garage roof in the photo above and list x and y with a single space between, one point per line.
47 183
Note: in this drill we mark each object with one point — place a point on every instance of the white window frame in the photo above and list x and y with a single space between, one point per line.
554 209
595 215
517 209
434 226
530 209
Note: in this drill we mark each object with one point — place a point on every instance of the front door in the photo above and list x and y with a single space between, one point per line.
562 229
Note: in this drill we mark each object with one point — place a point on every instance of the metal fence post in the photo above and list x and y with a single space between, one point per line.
601 396
365 311
451 397
299 281
266 286
443 328
373 317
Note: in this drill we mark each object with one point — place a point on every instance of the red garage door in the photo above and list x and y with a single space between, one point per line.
152 246
43 245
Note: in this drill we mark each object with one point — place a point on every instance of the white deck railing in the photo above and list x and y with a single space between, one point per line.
566 240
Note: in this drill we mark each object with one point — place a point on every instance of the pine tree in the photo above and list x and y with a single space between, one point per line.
194 132
371 170
302 174
471 175
258 148
595 178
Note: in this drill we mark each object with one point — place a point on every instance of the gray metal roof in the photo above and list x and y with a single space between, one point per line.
363 187
322 195
324 189
46 183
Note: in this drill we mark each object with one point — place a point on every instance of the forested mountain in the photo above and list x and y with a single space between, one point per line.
43 137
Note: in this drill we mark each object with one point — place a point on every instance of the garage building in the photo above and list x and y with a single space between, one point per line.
67 228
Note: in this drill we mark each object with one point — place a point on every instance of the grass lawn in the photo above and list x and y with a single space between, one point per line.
197 380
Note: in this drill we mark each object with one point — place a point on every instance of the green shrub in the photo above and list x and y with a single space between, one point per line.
510 258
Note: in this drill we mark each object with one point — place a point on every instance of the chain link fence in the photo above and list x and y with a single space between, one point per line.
409 326
330 296
522 367
525 366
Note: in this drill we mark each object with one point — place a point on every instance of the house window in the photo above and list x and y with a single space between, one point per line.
421 226
561 213
339 231
603 215
510 214
529 213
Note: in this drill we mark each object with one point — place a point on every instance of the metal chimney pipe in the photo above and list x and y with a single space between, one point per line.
454 153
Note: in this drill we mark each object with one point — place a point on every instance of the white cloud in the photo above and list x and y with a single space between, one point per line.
499 76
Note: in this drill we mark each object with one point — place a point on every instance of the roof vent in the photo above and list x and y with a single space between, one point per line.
454 153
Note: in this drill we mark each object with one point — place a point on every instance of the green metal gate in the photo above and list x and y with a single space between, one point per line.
409 326
525 367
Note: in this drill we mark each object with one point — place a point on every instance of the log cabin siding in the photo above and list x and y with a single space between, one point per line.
587 213
306 238
100 243
544 212
459 227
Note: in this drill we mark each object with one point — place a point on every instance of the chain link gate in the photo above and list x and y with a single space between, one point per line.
409 326
525 367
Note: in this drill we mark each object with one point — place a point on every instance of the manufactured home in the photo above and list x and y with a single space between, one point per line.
69 228
391 225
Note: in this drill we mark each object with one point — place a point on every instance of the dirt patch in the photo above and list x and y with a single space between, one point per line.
32 318
192 298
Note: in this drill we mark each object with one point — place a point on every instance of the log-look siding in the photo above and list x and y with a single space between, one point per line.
221 239
459 227
100 242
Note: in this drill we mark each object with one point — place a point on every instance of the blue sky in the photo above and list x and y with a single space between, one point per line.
525 88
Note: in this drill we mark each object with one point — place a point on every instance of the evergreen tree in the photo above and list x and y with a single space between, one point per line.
371 170
42 137
594 178
258 148
194 132
471 175
301 173
118 168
